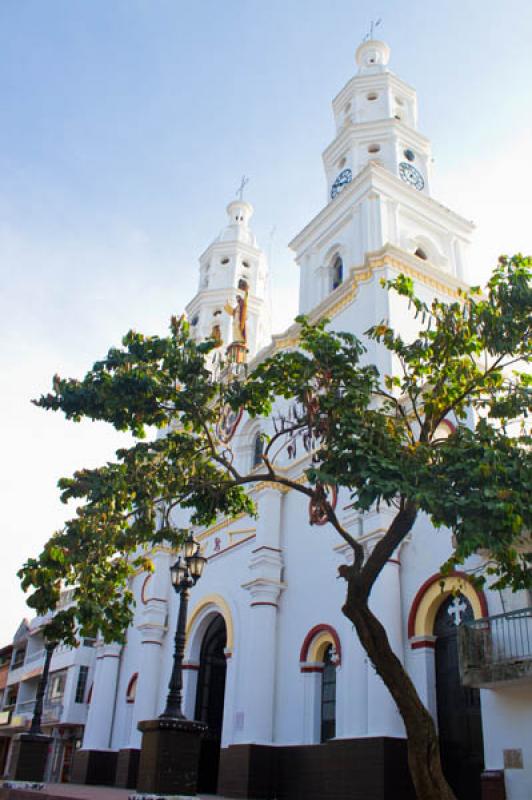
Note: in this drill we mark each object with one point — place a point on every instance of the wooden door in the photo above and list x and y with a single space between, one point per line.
459 716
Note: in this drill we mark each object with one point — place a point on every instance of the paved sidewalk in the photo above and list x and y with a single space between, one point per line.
78 791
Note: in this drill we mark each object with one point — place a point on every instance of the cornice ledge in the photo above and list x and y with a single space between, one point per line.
373 80
392 256
388 256
375 176
378 126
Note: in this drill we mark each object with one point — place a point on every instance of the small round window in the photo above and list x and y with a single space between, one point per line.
409 155
342 163
194 321
374 148
372 96
245 264
225 261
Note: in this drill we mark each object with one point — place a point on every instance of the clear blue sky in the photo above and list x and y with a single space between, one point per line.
125 126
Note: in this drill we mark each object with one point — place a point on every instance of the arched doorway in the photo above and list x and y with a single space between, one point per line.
459 716
210 701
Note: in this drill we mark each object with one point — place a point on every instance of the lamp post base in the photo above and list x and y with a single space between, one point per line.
30 755
169 757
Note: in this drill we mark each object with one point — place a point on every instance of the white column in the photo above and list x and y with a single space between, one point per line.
351 679
229 706
261 641
375 233
312 678
151 691
190 685
101 710
385 601
422 670
149 688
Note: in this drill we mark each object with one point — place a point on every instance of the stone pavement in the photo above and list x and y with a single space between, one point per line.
76 791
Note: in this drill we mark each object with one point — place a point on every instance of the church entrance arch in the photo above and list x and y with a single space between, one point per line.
459 714
210 694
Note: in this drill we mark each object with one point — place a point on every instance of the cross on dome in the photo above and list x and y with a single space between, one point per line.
240 191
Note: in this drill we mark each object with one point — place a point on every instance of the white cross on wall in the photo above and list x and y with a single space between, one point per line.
456 609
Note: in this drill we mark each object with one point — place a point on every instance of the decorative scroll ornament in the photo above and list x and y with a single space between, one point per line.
228 423
318 504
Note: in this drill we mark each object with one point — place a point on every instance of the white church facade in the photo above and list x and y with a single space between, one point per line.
293 707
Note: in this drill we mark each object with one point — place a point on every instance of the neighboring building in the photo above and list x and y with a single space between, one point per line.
294 708
66 698
5 716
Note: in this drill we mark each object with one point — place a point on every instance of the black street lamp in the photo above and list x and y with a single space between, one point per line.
185 573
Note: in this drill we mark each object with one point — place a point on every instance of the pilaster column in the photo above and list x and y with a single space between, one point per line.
152 628
264 588
352 711
385 601
101 710
230 695
422 670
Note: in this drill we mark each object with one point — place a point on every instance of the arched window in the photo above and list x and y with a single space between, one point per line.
337 273
131 691
328 695
258 449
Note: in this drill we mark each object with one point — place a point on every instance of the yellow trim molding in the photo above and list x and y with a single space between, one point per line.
222 607
435 594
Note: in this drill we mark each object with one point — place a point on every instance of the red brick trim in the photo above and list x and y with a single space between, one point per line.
428 583
143 597
420 644
194 667
311 669
305 647
132 684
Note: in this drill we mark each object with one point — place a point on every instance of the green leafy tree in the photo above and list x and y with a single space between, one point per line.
378 436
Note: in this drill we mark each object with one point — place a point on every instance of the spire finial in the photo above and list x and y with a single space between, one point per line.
240 191
370 34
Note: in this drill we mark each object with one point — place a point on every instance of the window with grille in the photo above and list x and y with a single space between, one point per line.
328 696
258 450
337 273
83 674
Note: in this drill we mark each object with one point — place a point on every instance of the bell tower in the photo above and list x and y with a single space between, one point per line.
232 302
376 120
378 179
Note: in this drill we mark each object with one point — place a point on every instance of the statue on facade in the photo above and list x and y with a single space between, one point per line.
239 313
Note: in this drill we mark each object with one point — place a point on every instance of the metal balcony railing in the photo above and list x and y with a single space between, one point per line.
52 711
33 658
497 649
26 707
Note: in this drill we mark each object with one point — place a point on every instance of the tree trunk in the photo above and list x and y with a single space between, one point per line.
423 747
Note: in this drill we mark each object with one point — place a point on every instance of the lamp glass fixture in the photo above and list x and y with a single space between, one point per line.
189 546
196 564
178 572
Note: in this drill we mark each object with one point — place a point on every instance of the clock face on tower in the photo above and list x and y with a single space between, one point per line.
411 175
342 179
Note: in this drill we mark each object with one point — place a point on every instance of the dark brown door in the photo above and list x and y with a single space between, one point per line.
210 702
459 719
